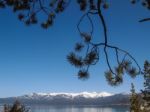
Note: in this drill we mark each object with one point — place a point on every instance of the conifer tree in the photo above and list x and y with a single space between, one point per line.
134 100
16 107
146 91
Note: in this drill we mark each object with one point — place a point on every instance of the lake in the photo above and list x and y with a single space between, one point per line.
38 108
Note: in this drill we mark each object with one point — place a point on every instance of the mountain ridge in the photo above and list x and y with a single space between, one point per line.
84 94
82 98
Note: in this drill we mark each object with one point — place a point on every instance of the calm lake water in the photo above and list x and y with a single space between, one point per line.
76 109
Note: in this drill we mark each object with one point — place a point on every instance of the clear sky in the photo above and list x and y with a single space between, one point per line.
34 60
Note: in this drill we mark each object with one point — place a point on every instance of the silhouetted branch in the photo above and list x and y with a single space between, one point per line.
145 20
102 20
114 74
28 12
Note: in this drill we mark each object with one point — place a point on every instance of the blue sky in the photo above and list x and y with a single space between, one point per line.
34 60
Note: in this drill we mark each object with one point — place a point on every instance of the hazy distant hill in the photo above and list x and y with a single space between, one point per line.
84 98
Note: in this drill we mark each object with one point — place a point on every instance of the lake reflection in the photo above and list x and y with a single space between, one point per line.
77 109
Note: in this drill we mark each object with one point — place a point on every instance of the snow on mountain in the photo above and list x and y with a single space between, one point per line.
83 98
69 95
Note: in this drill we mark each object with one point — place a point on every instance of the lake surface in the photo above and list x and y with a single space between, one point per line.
77 109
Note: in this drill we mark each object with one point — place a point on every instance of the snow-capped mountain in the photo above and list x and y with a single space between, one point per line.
69 95
83 98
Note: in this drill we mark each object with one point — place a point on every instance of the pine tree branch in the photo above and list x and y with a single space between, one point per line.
144 20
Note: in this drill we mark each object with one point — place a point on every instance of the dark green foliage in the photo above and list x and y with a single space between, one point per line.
31 12
75 60
83 62
135 105
83 74
52 7
113 80
133 1
142 104
114 75
145 3
116 78
90 58
132 72
28 10
146 91
105 5
91 4
110 78
2 4
78 47
146 69
83 4
119 70
20 16
86 37
16 107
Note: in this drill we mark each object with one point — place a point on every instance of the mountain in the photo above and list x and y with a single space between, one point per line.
84 98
